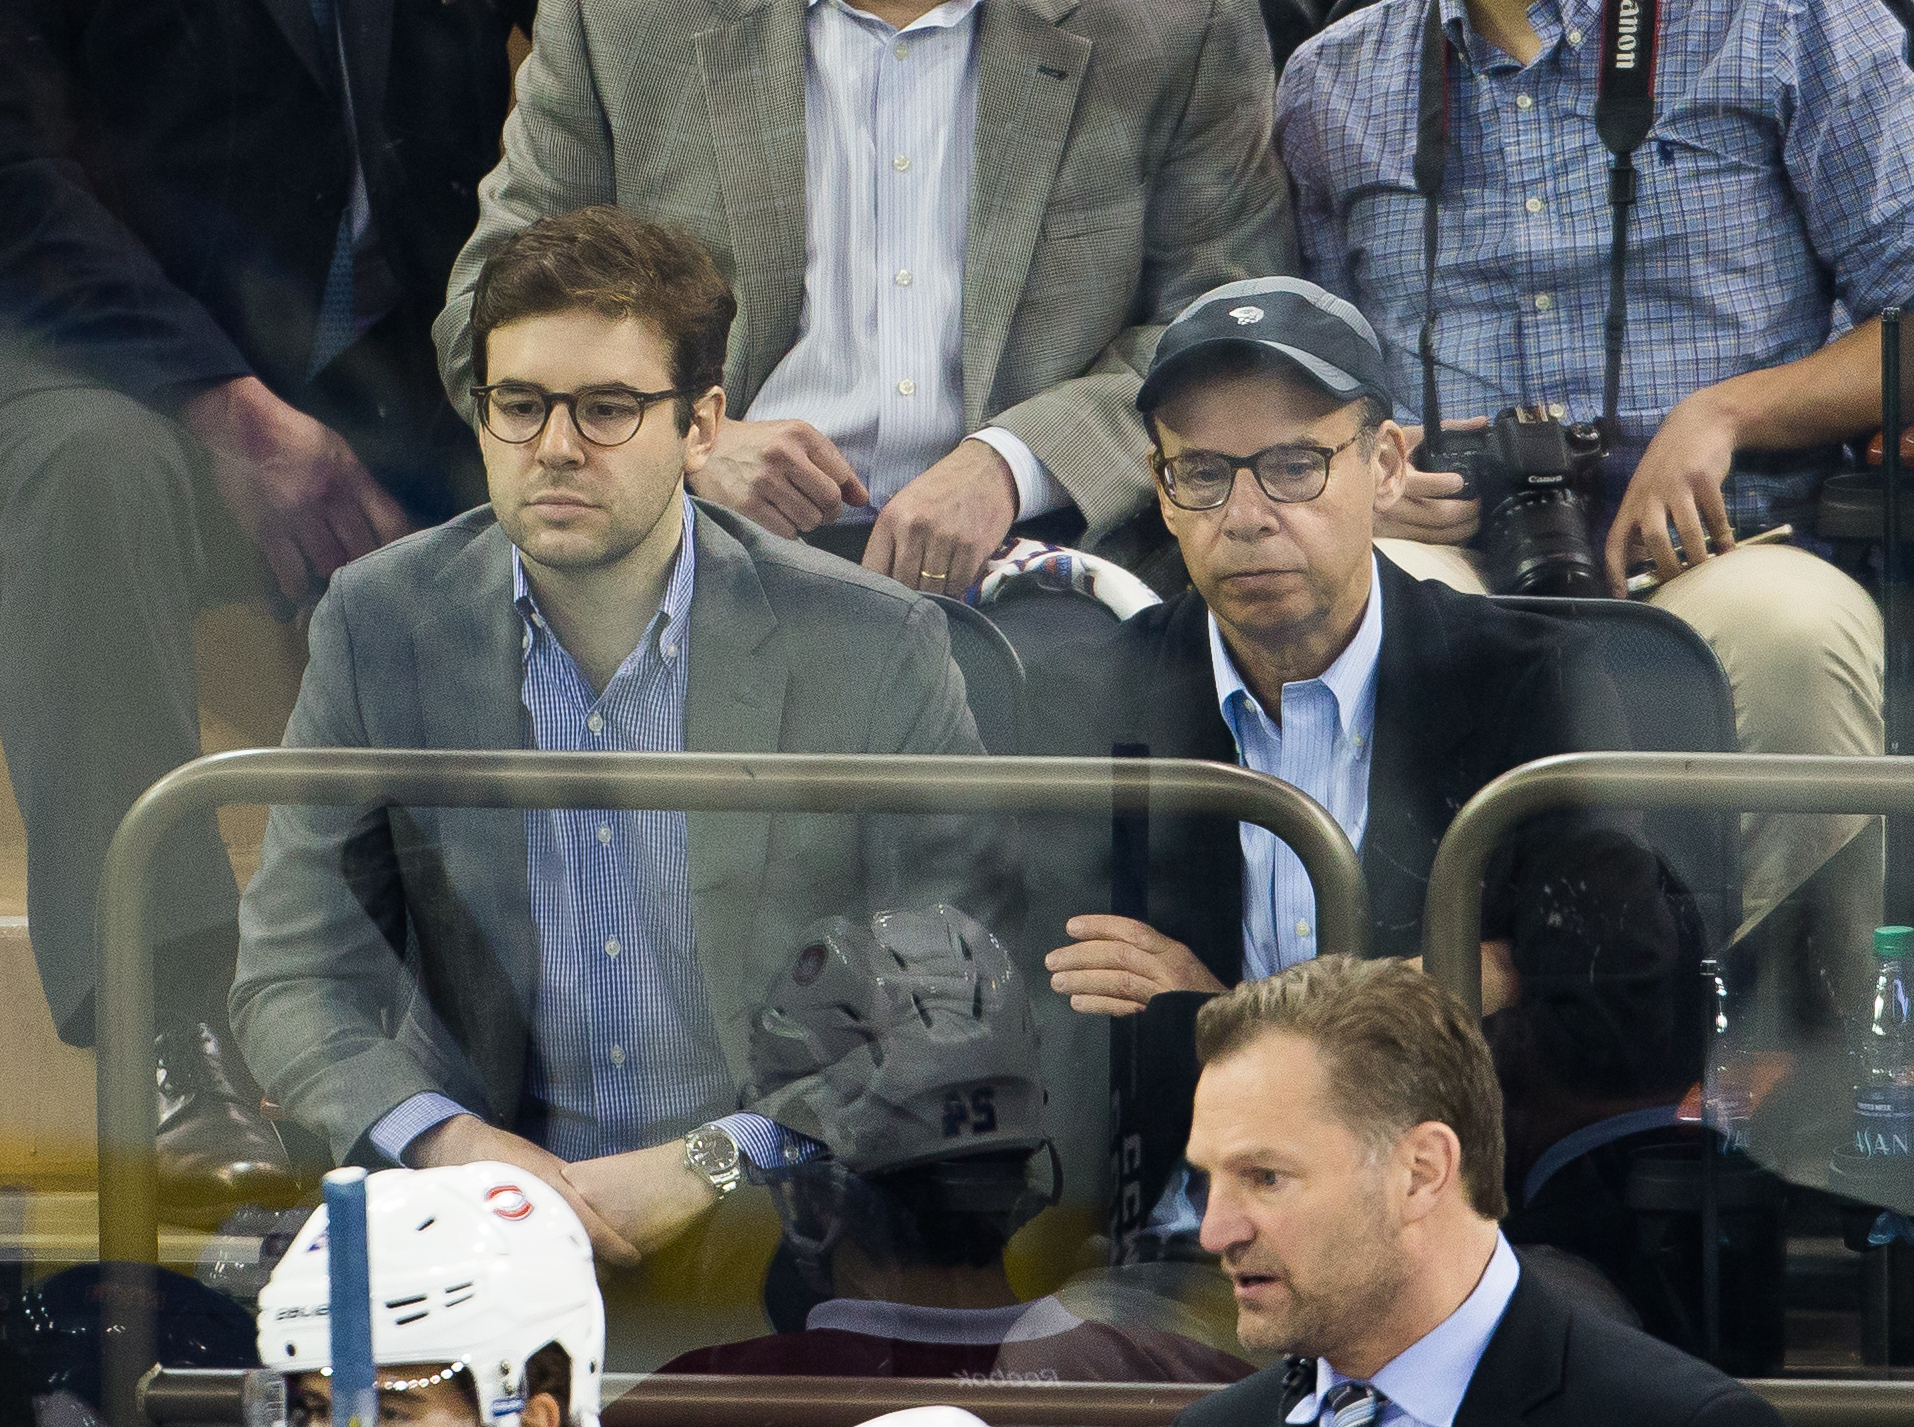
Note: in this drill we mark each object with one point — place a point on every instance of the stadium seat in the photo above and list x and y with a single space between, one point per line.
1677 701
993 676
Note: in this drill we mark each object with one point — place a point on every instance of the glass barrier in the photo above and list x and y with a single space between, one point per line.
1090 1270
1765 1188
390 936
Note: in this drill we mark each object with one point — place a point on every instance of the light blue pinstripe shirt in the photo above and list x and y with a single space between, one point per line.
625 1053
1322 746
890 139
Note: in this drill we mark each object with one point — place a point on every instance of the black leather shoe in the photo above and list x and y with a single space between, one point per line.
215 1152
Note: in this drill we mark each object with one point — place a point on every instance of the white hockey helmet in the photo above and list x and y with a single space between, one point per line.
478 1264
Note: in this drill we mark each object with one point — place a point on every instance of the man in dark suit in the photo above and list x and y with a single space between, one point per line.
1299 652
571 991
1349 1125
225 228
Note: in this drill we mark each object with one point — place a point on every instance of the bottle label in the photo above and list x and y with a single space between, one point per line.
1884 1121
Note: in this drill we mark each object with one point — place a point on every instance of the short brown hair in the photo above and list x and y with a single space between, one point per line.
1398 1049
603 260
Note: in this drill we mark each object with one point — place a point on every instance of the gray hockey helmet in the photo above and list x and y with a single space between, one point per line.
909 1040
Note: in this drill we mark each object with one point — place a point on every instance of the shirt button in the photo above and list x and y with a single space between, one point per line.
1557 410
604 832
1574 37
1534 205
617 1055
901 163
1302 928
595 723
1543 302
906 387
903 49
538 619
612 948
671 651
1522 101
526 642
903 278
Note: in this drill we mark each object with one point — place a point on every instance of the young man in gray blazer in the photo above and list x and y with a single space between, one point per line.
954 229
572 991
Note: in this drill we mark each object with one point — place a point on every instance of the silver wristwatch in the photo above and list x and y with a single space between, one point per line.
712 1154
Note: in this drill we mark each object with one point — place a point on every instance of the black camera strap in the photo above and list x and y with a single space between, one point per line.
1624 113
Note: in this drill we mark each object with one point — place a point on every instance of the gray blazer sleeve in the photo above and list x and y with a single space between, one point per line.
320 986
1219 211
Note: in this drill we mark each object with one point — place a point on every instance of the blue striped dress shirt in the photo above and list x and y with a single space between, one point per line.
625 1051
1776 189
890 121
1322 746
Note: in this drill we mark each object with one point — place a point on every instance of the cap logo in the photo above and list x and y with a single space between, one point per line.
810 964
508 1201
1246 316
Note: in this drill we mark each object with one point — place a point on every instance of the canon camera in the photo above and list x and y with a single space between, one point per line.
1538 480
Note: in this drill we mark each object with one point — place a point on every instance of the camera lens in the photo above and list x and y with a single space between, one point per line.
1537 544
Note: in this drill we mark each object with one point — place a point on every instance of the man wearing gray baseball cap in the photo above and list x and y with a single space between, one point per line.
1298 651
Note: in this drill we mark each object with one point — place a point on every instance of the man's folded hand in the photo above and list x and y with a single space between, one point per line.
648 1197
786 475
466 1139
1117 964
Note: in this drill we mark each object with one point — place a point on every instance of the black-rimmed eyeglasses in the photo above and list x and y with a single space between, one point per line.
1202 480
610 415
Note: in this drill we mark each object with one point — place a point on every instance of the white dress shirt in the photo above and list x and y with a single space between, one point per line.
889 143
1321 746
1426 1382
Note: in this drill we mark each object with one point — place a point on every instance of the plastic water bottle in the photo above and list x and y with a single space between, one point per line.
1884 1099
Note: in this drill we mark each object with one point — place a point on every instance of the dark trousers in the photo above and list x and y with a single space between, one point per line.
104 518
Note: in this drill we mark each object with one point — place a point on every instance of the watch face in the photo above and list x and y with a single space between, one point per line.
711 1150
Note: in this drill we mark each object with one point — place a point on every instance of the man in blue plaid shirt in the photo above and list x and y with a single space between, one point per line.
1776 206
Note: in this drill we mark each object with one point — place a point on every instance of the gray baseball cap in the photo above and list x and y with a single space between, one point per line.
902 1041
1331 344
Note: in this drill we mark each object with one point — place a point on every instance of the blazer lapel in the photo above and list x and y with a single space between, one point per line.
470 672
294 18
734 703
754 90
1028 75
1421 719
1525 1363
1197 883
367 27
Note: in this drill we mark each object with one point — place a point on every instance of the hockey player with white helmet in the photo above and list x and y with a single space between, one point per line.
485 1310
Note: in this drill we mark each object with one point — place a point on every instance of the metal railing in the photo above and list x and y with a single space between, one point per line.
688 782
205 1398
1710 782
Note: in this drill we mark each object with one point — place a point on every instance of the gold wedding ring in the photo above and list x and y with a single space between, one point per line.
932 575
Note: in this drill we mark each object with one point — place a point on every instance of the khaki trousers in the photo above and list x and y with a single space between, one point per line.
1802 646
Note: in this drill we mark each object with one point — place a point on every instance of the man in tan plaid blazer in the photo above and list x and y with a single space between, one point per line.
1119 165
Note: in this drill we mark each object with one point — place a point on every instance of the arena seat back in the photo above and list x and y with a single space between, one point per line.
1677 700
993 676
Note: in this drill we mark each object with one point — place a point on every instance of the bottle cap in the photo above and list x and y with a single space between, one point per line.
1892 942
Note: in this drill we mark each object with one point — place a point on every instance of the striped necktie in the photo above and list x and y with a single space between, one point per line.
333 332
1353 1404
